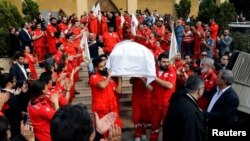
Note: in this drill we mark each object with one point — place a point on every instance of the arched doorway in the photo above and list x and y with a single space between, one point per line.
107 5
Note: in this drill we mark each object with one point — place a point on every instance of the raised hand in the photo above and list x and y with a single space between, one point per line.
114 133
104 124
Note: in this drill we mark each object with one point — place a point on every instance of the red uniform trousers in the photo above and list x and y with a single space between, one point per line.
141 114
158 115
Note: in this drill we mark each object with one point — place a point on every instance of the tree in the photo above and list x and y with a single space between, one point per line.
9 17
30 9
223 14
240 42
226 14
207 10
183 8
242 6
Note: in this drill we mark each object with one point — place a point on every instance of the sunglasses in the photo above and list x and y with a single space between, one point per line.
203 55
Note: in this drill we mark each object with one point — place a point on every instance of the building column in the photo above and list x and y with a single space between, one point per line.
132 6
194 8
81 6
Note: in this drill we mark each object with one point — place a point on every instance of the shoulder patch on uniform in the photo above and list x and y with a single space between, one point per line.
166 75
47 109
36 107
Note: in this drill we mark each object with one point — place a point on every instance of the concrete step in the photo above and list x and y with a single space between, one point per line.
84 83
88 94
86 90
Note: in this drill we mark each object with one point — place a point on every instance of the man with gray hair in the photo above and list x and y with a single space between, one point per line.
222 110
209 77
184 120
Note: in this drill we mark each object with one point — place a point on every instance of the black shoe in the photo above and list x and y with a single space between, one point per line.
76 93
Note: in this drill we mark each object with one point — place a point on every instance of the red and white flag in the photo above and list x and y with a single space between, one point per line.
85 46
134 24
98 11
173 46
122 21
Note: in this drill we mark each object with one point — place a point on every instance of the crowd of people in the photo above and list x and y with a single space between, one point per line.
42 104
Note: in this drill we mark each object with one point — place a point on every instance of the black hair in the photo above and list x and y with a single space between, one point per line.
104 55
60 66
97 61
6 78
58 44
36 90
71 123
49 63
52 18
18 55
57 34
68 35
4 126
46 77
163 55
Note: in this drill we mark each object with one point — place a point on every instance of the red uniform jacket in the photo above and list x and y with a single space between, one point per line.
209 83
40 116
62 27
103 100
31 61
51 40
93 24
160 95
109 41
104 24
118 26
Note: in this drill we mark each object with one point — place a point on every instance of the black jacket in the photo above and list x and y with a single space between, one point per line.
16 71
184 121
25 39
224 112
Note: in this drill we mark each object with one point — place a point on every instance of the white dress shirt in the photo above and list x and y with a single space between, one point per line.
216 96
27 32
23 70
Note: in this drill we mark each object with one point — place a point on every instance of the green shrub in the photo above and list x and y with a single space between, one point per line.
183 9
30 9
9 17
223 15
240 42
226 15
207 10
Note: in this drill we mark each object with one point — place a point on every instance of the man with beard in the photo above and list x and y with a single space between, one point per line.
159 29
103 89
224 61
50 32
209 77
163 88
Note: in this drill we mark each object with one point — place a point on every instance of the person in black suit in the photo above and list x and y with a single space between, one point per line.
25 37
18 70
222 110
184 120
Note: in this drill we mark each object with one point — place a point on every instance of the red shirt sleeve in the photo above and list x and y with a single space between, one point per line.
94 79
47 112
171 76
